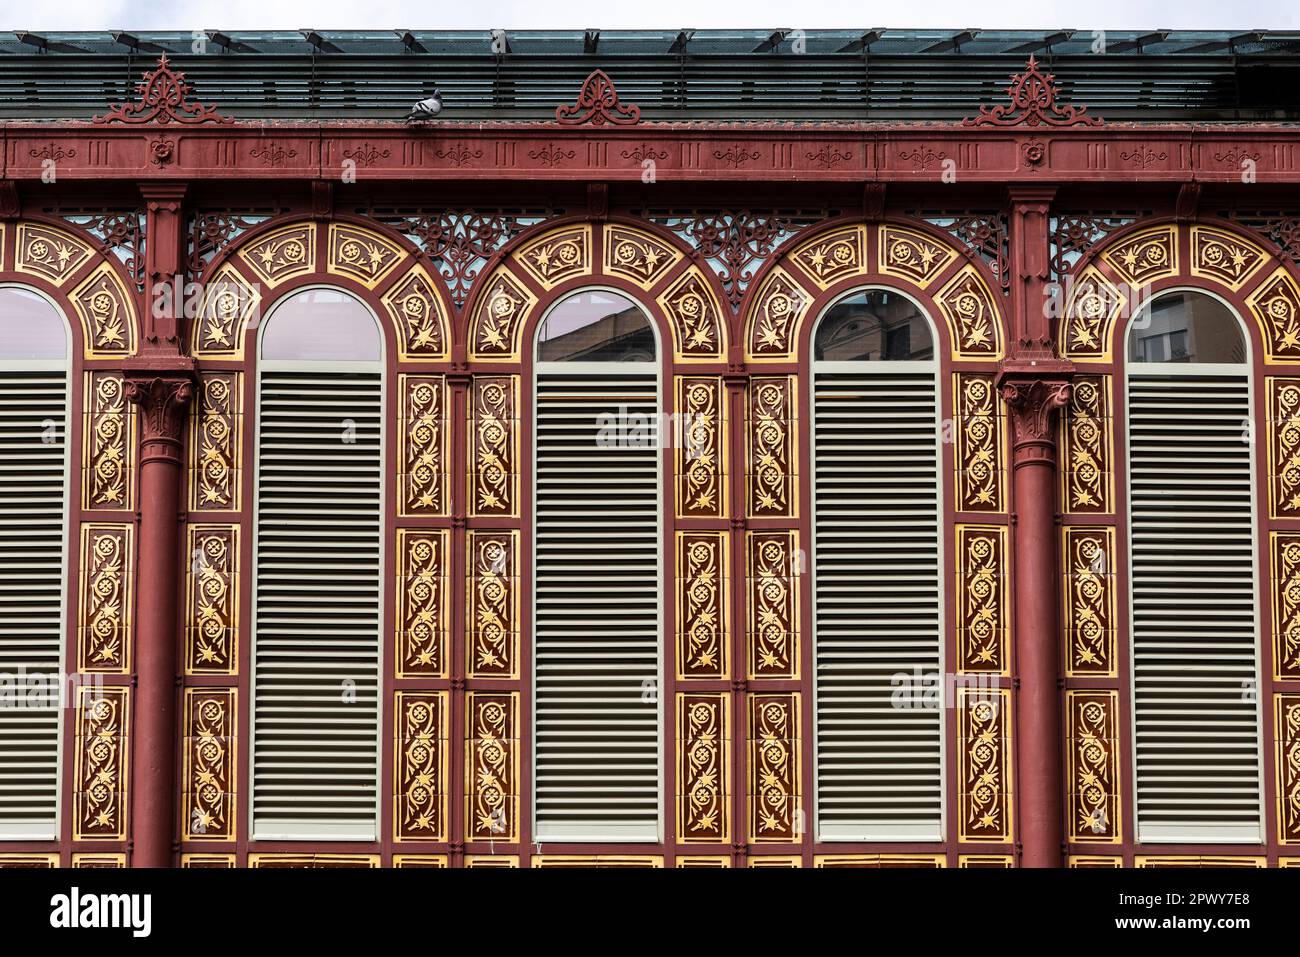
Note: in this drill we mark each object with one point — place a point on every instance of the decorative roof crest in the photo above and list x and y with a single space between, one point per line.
163 99
1033 103
598 104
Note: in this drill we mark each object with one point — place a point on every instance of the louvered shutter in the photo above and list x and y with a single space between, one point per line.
597 594
1194 624
33 482
877 600
317 615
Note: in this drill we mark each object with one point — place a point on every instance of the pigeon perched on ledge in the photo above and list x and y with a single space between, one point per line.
425 109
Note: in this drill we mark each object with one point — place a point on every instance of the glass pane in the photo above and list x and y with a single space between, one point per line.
1186 327
596 326
30 327
321 325
875 325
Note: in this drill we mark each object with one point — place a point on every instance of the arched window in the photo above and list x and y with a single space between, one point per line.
876 570
34 365
317 582
597 575
1194 620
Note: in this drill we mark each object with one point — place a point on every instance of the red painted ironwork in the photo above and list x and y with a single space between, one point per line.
1033 103
164 98
598 104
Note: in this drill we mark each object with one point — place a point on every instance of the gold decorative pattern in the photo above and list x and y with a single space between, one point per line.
985 860
597 860
1092 766
109 444
499 316
1283 446
637 256
1145 257
208 860
1285 553
703 767
419 317
424 460
99 791
228 305
98 859
984 764
1178 860
784 861
312 861
1094 860
50 253
912 255
104 617
282 254
978 438
422 596
773 601
776 316
1087 480
40 860
1286 734
212 600
775 810
703 618
361 254
420 860
107 313
702 451
878 860
1275 305
492 766
420 805
491 860
833 256
1089 596
974 322
1090 312
713 861
1224 257
695 316
492 604
208 776
558 255
983 599
494 446
770 439
216 438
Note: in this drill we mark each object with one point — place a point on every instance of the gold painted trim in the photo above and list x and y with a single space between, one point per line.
1088 599
704 583
421 860
422 632
208 860
210 763
1178 860
107 310
416 790
557 255
360 254
879 860
98 859
1238 250
598 860
492 860
1095 805
212 599
105 597
702 459
1286 763
1145 257
985 772
718 861
893 243
282 254
983 600
102 765
985 860
492 603
704 767
641 258
418 314
257 859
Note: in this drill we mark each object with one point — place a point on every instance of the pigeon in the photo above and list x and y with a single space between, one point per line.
425 109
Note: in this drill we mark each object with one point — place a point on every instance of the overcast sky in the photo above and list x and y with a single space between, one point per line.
660 14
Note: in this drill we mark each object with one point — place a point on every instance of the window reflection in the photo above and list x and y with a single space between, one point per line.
321 325
1186 327
596 326
875 325
30 327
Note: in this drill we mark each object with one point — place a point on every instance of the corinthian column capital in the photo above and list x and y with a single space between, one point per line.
162 400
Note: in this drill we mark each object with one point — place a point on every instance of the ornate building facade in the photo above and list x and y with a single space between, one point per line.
941 509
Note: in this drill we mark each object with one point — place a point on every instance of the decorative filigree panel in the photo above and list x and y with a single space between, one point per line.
1093 860
492 766
1283 447
492 604
491 860
101 764
1224 257
50 253
833 256
420 757
361 254
971 313
40 860
423 464
212 600
228 305
1087 478
1276 307
1093 305
423 558
421 860
498 317
558 255
703 767
983 633
783 861
494 446
109 444
104 615
772 596
713 861
418 316
208 775
637 256
1285 553
1092 766
98 859
984 764
775 317
985 860
703 608
979 445
775 811
1286 734
1089 597
695 316
216 443
912 255
702 451
107 312
282 254
770 479
1145 257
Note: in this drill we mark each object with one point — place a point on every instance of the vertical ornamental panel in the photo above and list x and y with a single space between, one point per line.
420 759
1283 447
99 780
1087 482
1092 766
107 579
492 767
109 445
770 440
422 558
703 606
701 451
216 438
208 774
1089 597
1285 554
773 600
212 600
984 765
979 455
494 446
775 811
492 604
1286 734
423 427
703 767
982 599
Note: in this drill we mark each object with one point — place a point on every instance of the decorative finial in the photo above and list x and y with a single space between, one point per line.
598 104
1033 103
163 96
